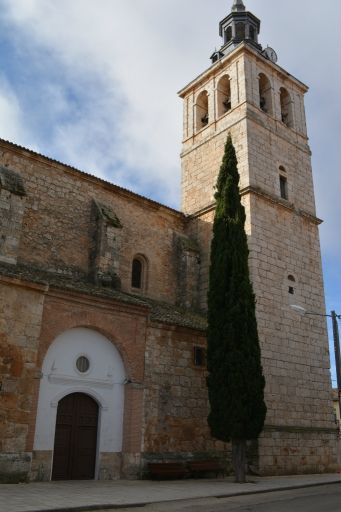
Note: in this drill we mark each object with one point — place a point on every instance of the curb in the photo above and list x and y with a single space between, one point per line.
112 506
88 508
267 491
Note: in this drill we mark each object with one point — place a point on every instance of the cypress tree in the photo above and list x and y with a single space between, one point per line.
235 377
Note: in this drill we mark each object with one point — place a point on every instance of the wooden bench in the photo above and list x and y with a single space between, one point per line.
200 467
167 470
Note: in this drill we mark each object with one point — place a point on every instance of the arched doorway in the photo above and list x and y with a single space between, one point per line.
75 444
81 361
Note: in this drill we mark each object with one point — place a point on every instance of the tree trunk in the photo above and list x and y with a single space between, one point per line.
239 460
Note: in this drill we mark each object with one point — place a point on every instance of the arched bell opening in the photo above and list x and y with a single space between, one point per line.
223 96
286 108
202 115
265 94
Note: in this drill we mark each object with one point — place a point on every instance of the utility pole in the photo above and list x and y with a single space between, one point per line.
337 355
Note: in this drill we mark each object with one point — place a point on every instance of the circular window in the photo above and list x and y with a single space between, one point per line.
83 364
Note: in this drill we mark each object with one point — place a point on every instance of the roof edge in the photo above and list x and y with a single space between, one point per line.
84 175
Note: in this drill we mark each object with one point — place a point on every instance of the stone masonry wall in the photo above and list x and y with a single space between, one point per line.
175 398
284 242
202 156
21 306
271 146
298 451
295 352
57 232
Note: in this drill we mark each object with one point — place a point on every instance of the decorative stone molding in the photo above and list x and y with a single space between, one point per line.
267 197
12 206
106 245
67 379
298 429
12 182
188 267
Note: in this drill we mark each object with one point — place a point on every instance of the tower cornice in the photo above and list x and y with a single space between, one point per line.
233 56
257 191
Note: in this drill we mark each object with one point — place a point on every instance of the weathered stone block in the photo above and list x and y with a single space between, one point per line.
14 467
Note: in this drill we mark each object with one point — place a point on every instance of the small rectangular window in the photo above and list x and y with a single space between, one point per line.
199 354
283 183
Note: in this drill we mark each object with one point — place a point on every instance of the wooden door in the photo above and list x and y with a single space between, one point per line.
75 442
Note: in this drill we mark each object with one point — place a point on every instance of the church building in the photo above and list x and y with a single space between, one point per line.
103 291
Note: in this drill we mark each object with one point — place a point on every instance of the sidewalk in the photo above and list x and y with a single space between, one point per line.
92 495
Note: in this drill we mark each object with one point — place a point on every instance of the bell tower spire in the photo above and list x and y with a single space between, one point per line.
238 5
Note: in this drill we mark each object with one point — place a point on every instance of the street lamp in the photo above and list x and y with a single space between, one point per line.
301 311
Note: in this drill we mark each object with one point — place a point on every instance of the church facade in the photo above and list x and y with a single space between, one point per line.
103 291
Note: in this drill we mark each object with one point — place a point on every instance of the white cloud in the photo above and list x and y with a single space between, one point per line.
134 60
10 114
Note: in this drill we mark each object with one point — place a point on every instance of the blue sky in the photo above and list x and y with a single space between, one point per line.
93 83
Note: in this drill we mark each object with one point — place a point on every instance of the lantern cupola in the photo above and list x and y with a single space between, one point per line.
240 25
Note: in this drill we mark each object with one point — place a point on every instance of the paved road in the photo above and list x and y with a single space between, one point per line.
316 499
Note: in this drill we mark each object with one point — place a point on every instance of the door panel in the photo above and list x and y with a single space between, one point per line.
62 447
86 450
76 438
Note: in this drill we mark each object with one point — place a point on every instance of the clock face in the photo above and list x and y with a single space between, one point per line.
270 54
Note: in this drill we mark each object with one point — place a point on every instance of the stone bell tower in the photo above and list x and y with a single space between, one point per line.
246 93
